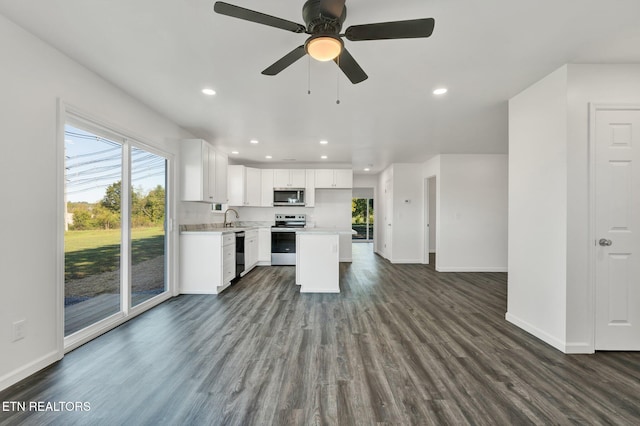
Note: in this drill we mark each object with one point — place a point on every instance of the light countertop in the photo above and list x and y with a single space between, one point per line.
217 229
325 231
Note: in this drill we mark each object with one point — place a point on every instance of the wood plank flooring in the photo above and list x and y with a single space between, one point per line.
402 344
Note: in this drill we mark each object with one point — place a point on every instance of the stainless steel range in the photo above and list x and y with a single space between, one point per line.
283 238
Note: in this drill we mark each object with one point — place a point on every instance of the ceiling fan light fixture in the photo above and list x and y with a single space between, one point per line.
324 48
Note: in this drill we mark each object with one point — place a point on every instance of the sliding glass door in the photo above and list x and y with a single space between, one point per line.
115 214
148 242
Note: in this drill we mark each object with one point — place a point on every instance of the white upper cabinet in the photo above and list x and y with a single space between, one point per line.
244 186
334 178
267 187
203 172
253 187
221 162
289 178
310 188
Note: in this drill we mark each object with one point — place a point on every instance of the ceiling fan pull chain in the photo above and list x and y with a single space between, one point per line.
338 83
309 76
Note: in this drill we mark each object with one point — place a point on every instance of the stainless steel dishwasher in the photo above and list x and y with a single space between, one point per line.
239 254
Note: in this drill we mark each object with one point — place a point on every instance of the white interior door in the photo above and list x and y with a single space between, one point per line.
388 218
617 223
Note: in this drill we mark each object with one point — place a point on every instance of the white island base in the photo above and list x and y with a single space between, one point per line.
317 261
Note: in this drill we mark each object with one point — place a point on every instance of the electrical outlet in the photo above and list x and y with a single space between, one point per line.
19 330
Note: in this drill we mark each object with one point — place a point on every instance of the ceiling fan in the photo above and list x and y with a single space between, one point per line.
324 20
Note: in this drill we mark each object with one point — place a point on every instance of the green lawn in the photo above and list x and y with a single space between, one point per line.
96 251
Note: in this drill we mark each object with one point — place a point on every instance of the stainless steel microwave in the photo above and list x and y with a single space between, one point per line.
288 197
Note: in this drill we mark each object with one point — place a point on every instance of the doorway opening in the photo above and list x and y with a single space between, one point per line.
430 220
362 220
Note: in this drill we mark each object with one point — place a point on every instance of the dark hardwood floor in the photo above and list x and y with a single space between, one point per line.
402 344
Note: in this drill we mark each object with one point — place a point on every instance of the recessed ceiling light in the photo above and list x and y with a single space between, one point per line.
324 142
268 157
254 141
324 157
367 169
235 152
440 91
209 92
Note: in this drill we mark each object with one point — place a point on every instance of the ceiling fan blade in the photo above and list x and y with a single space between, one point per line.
414 28
350 67
285 61
332 8
257 17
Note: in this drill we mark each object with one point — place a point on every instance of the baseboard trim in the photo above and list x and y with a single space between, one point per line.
29 369
401 261
472 269
579 348
346 259
535 331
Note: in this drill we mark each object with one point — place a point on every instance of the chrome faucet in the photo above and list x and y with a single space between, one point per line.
225 217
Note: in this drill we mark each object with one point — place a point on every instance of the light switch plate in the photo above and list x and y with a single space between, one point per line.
19 330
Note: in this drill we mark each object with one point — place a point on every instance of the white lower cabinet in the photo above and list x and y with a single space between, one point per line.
264 246
250 250
317 262
207 262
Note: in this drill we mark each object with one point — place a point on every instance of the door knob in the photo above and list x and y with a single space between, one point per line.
604 242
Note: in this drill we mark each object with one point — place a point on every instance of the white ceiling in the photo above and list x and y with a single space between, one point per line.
165 52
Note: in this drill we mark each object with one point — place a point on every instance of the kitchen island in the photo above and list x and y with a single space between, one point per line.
317 259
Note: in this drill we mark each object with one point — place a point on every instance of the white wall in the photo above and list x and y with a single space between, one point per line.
365 181
472 220
550 293
333 210
407 225
363 192
192 213
538 209
470 212
384 213
614 84
32 78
